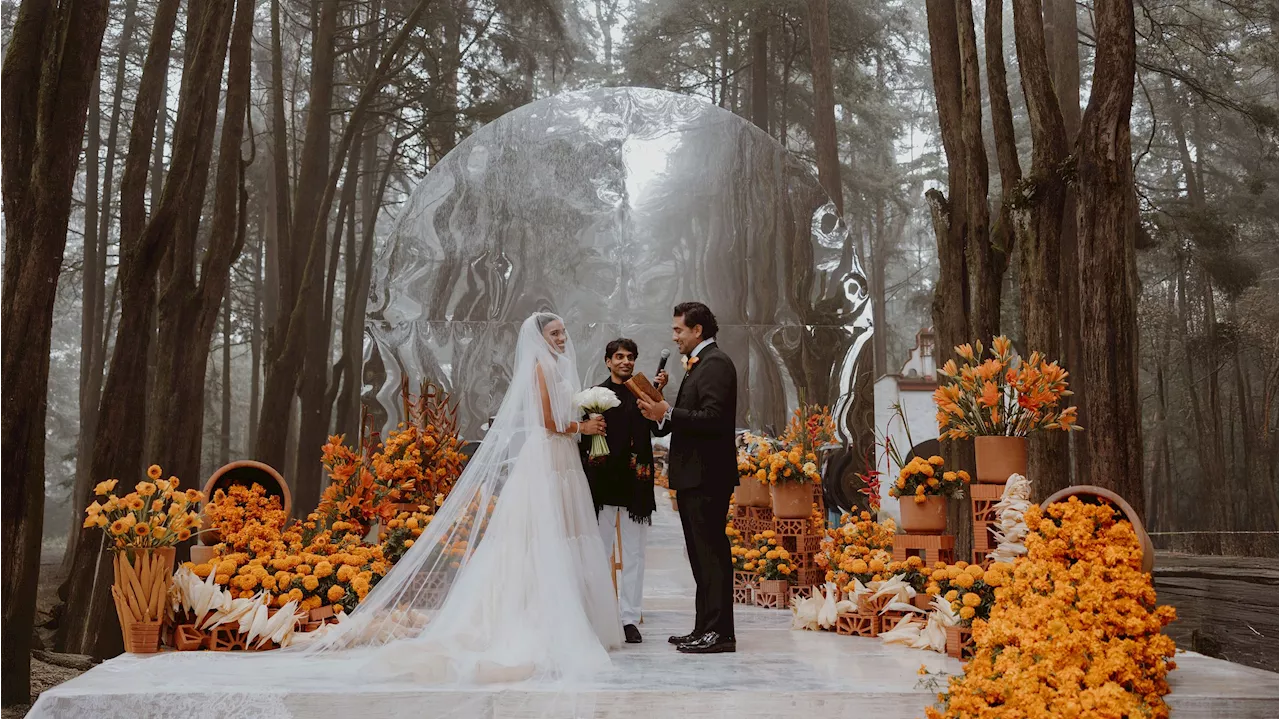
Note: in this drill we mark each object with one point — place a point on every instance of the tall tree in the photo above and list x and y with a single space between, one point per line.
1108 265
45 88
1062 45
189 304
1039 222
824 102
93 359
287 350
87 626
285 372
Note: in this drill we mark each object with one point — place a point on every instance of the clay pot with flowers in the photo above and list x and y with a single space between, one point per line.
923 487
142 528
998 402
792 474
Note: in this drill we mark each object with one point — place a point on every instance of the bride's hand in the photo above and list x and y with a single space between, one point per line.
595 425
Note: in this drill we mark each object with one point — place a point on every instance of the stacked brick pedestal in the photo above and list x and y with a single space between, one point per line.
983 499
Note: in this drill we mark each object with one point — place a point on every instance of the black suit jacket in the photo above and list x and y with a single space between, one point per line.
703 454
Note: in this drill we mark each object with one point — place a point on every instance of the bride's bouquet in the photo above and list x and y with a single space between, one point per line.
595 401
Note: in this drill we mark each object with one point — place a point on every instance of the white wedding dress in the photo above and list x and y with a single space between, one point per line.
509 583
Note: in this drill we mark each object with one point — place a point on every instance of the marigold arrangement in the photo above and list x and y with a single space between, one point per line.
859 548
769 559
157 513
245 518
1076 630
969 588
1002 395
922 478
789 464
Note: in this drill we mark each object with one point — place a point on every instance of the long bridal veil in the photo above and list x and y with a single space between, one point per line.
407 631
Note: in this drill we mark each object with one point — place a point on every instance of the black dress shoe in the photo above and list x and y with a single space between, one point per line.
684 638
709 643
632 633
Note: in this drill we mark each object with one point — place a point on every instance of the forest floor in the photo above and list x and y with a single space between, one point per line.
48 669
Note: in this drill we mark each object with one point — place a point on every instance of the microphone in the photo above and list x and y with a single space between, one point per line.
662 363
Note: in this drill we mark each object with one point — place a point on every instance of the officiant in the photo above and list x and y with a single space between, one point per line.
622 483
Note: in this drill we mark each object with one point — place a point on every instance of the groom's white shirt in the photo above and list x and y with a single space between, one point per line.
692 354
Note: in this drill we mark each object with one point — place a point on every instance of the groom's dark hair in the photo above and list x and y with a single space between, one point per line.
622 343
696 313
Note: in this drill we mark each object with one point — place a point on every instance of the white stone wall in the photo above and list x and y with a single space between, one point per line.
917 404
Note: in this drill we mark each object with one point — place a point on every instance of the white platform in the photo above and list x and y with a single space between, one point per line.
775 673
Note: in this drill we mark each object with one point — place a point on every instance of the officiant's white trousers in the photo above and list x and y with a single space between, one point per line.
631 581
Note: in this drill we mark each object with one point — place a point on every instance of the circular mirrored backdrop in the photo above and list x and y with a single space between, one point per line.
609 207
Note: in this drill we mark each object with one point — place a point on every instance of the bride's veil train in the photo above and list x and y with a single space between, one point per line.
508 586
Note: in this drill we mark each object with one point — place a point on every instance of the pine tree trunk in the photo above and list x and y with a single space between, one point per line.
985 272
93 363
88 626
1108 268
760 71
1040 240
824 103
47 80
224 428
190 303
310 372
948 215
1063 48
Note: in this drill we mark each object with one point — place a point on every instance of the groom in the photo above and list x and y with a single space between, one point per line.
703 469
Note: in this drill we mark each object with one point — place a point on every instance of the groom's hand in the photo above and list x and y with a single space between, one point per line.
653 411
661 380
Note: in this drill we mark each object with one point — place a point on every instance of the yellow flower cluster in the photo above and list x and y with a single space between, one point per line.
922 478
1001 395
156 514
787 464
334 568
768 558
1075 631
970 588
245 517
850 550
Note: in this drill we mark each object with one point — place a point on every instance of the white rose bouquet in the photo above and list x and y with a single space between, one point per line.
595 401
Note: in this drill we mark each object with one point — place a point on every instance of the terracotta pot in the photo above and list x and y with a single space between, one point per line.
792 500
141 595
923 601
201 554
751 492
774 586
1097 495
142 637
927 517
243 472
999 457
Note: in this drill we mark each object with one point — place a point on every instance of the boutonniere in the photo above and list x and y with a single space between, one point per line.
689 363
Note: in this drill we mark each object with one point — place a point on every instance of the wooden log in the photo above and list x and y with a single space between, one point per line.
1227 606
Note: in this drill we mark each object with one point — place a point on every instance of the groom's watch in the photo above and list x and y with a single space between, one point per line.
666 417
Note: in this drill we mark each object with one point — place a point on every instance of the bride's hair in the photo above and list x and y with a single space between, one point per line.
542 319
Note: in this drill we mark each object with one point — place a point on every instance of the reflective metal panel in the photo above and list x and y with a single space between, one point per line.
609 207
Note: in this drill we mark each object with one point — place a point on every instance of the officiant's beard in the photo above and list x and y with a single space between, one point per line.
620 376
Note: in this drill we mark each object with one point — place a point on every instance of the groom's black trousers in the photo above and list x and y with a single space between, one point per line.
702 514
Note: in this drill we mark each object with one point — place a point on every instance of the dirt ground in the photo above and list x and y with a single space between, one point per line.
51 673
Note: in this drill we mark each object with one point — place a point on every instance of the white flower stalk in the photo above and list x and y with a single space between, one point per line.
1011 527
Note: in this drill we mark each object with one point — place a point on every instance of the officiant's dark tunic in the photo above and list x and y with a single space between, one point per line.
624 477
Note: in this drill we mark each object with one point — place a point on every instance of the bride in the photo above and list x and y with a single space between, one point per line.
509 582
